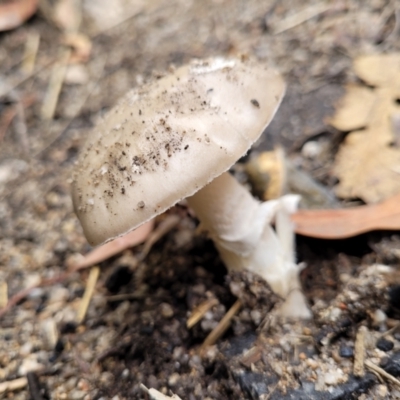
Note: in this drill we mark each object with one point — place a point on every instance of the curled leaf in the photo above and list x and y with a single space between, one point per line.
15 13
344 223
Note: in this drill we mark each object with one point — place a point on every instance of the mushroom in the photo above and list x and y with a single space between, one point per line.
175 138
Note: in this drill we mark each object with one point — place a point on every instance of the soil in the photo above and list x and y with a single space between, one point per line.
135 329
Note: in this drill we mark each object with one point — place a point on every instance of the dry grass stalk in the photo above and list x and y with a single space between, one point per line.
3 294
55 85
87 296
223 325
30 53
381 373
302 16
199 312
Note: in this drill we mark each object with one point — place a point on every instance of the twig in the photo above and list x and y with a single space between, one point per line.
127 296
359 352
199 312
15 384
87 296
378 370
390 331
272 391
222 326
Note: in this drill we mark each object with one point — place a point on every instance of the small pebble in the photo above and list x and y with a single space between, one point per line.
384 344
381 391
173 379
346 351
379 318
166 310
334 377
311 149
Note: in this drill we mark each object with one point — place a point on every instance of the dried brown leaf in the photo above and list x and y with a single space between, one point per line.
117 245
378 69
354 109
344 223
15 13
368 162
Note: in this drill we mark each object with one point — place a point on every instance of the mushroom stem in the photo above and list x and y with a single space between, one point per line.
240 227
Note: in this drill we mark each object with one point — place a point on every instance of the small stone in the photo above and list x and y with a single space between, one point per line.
313 364
256 316
384 344
334 377
125 373
30 364
381 391
379 318
76 74
311 149
77 394
173 379
166 310
303 356
307 331
346 351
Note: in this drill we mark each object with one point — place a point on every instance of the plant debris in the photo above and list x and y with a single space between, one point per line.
368 162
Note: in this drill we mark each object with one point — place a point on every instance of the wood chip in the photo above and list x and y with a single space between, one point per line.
359 352
223 325
89 290
199 312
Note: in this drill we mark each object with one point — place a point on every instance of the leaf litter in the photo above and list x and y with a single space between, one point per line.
368 162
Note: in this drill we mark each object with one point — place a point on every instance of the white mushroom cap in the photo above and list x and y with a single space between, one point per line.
167 139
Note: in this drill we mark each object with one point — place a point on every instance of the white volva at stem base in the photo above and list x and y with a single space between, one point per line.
241 229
